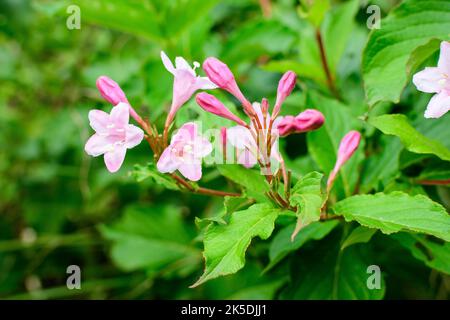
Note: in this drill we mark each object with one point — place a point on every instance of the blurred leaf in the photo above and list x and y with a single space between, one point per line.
395 212
332 274
358 235
411 25
308 196
397 124
282 244
141 173
313 72
153 238
314 11
132 16
433 254
225 245
323 143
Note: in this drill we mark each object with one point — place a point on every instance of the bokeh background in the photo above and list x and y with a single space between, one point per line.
135 240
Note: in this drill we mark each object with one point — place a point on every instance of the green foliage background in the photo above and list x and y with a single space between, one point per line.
138 240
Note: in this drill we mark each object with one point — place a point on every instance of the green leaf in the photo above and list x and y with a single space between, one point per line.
323 143
152 238
395 212
326 272
225 245
314 11
336 31
414 141
414 23
254 183
282 245
132 16
141 173
308 196
311 71
358 235
433 254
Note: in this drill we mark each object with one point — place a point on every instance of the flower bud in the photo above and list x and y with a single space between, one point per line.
264 106
347 148
305 121
219 73
285 87
210 103
110 90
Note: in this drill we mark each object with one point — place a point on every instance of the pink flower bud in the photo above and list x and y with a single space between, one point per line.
219 73
305 121
347 148
264 106
110 90
285 87
210 103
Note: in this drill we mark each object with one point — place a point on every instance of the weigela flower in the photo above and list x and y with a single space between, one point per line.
211 104
347 148
436 80
113 135
305 121
185 153
285 87
186 82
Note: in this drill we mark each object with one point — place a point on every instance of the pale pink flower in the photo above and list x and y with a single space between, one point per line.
347 148
211 104
185 153
285 87
242 138
305 121
436 80
186 82
113 135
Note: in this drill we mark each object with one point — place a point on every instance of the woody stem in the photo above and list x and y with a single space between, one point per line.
326 68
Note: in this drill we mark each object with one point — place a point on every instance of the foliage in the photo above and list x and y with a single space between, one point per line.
140 234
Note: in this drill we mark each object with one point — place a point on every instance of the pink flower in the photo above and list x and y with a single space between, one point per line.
242 138
347 148
185 153
210 103
112 93
113 135
285 87
307 120
221 75
110 90
436 80
186 82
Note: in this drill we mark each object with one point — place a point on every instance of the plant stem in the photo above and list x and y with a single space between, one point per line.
326 68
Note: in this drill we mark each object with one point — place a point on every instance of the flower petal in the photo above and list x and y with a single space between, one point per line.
186 133
114 159
98 120
182 64
239 136
246 158
438 105
167 161
202 147
120 115
167 63
97 145
134 136
444 57
192 171
428 79
203 83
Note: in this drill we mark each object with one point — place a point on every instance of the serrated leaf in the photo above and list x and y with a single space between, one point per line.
282 245
307 195
141 173
225 245
433 254
414 141
395 212
358 235
414 23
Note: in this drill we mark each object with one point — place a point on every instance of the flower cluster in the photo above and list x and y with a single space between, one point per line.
255 141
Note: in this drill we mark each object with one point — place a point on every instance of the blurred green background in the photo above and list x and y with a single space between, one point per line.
132 240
